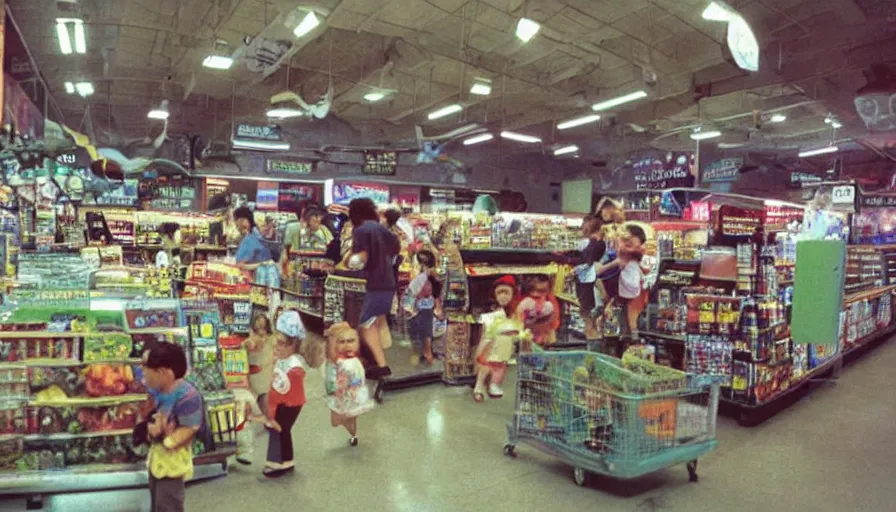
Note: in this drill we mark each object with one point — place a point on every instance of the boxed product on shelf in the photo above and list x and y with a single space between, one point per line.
96 380
12 448
52 453
12 417
800 360
62 348
48 420
108 347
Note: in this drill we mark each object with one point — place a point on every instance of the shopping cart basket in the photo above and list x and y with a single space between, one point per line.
603 415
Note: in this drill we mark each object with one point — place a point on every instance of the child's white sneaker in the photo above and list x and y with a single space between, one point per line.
495 390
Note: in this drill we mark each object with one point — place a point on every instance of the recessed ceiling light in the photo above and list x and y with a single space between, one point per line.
711 134
373 97
526 29
69 88
604 105
579 121
159 113
481 87
565 150
308 23
818 151
717 11
778 118
476 139
519 137
445 111
85 89
218 62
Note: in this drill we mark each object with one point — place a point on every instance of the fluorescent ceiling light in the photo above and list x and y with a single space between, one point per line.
519 137
65 42
69 88
778 118
566 150
308 23
731 145
836 124
604 105
706 135
445 111
373 97
85 89
579 121
716 11
476 139
284 112
819 151
260 145
481 87
80 39
526 29
218 62
158 114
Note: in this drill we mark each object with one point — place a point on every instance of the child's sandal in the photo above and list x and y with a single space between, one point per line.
478 397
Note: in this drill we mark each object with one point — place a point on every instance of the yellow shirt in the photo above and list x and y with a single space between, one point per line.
165 463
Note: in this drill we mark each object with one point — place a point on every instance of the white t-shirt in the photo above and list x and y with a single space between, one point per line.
630 280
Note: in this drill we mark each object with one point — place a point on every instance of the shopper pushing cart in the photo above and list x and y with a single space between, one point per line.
618 418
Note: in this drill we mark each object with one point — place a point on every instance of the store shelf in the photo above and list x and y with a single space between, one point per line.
177 331
868 294
63 436
90 401
677 338
63 363
41 334
310 312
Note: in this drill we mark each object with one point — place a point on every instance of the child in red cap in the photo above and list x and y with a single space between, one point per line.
491 359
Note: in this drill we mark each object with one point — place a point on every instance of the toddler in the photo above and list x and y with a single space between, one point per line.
539 311
287 395
423 302
347 394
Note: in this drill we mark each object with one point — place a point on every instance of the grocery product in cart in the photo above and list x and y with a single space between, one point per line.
621 418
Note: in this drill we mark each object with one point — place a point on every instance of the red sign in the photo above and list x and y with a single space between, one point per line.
697 211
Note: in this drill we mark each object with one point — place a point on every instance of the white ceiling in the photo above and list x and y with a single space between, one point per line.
429 51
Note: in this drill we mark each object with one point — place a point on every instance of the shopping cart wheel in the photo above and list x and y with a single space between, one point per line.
510 450
581 476
692 470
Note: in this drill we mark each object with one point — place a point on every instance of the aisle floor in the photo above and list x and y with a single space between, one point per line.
433 449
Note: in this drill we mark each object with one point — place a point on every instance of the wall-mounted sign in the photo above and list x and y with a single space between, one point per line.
258 132
738 222
174 196
380 163
343 193
697 211
797 179
877 201
725 169
290 195
125 195
289 167
267 195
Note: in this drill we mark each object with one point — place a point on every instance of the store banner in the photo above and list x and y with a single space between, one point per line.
267 195
723 170
380 163
289 167
271 132
343 193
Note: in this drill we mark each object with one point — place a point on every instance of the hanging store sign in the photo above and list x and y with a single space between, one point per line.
742 43
738 222
658 173
797 179
725 169
258 132
843 195
877 201
380 163
291 194
288 167
343 193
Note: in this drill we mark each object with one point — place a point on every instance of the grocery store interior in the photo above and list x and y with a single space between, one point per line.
464 254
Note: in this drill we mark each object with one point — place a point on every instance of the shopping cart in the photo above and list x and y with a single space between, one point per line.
603 415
